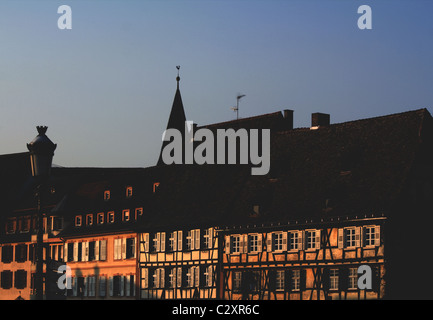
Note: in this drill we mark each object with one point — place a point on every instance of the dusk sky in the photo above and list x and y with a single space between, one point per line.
105 87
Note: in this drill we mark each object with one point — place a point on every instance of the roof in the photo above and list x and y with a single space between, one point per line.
352 168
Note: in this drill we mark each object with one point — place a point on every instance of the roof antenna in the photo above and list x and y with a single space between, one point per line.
237 105
177 78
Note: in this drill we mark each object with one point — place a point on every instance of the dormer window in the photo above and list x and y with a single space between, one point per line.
138 212
155 186
100 218
110 217
106 195
89 219
78 221
129 192
125 215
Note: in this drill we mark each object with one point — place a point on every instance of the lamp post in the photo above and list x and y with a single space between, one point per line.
41 157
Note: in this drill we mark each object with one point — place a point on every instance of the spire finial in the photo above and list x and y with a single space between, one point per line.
178 78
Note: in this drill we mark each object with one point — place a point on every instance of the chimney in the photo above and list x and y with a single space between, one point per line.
319 120
288 119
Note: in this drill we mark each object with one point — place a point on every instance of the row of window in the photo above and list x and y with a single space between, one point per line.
102 218
24 252
293 280
17 279
350 237
195 239
28 224
123 248
178 277
101 286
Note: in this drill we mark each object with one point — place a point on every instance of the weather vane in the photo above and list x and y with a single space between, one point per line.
178 78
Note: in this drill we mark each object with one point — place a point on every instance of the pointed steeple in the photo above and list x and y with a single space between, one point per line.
177 116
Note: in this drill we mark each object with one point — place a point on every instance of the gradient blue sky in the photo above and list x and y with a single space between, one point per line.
105 88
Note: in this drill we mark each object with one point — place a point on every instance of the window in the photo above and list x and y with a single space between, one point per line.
159 242
349 237
371 236
6 279
106 195
172 277
189 240
130 248
235 243
296 280
10 226
21 253
102 286
89 219
208 238
159 278
25 224
110 217
125 215
138 212
236 281
7 254
129 192
353 278
254 243
276 241
172 241
312 238
193 240
118 248
100 218
193 276
78 221
279 280
208 276
155 186
91 286
56 223
333 279
295 240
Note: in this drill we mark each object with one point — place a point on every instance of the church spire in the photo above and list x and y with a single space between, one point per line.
177 116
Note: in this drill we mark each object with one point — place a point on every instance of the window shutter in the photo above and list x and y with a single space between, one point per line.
303 279
340 238
197 239
377 236
228 244
75 246
210 276
128 286
102 286
156 277
123 241
65 253
162 241
85 281
358 237
210 243
175 241
362 238
245 243
146 278
288 280
122 286
179 240
74 286
260 242
103 250
318 232
269 242
146 242
300 240
110 286
162 280
132 279
343 278
179 277
134 247
284 241
96 250
197 276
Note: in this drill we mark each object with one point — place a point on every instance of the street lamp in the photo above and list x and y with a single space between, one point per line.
41 157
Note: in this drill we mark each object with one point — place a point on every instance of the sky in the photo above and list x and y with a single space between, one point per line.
105 87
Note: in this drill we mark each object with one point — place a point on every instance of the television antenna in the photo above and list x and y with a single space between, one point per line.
239 97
